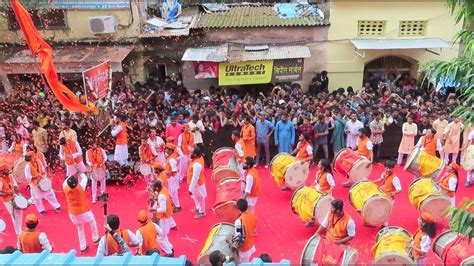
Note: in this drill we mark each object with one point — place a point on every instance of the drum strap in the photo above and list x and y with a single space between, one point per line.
333 223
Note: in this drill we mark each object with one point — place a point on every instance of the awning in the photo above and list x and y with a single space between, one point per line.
68 59
247 53
386 44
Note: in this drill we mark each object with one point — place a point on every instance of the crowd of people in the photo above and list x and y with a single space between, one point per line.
173 132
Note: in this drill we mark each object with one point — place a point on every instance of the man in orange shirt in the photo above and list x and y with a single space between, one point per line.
30 240
449 182
304 150
251 183
162 209
171 170
185 147
364 146
247 133
111 246
147 157
119 131
79 210
430 143
197 182
239 150
71 153
96 158
147 234
390 182
339 226
8 188
245 227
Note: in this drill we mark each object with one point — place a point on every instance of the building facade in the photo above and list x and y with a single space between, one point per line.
383 36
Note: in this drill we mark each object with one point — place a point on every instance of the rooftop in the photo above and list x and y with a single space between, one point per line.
255 16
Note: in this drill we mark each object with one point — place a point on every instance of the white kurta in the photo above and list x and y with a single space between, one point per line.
39 195
121 150
157 146
352 128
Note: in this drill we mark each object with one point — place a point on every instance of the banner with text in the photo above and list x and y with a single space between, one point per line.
243 73
287 70
96 81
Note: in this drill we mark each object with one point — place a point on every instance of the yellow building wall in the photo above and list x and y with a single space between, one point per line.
346 68
78 27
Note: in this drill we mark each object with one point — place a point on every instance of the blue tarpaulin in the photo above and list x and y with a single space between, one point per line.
295 10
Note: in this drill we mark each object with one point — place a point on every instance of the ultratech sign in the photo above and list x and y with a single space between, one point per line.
243 73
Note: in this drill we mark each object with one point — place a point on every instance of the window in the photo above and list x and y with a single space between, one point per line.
367 28
412 28
53 19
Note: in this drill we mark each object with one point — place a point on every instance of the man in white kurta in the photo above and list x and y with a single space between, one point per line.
165 224
96 176
72 167
157 146
351 129
37 194
119 132
81 218
196 190
7 180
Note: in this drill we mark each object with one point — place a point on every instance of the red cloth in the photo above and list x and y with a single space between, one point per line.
222 158
45 53
345 161
328 253
457 251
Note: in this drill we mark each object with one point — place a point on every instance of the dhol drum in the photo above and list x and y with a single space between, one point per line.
308 203
19 171
286 167
422 164
20 202
3 225
145 169
229 191
372 204
454 249
355 166
216 240
319 251
425 195
45 184
224 165
391 246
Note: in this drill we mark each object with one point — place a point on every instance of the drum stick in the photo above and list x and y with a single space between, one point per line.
148 97
103 130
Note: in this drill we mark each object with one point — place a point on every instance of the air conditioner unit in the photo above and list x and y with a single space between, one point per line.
102 24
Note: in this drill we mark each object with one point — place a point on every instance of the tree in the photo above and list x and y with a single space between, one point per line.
461 220
461 69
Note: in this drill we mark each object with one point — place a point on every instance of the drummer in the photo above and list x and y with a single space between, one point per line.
324 182
252 183
239 151
449 182
8 189
340 227
147 157
245 227
390 182
420 244
157 145
430 143
197 183
364 148
34 172
96 158
304 150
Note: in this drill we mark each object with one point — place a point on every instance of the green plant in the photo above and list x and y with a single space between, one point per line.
461 219
461 69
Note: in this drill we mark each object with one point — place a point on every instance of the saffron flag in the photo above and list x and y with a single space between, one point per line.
43 50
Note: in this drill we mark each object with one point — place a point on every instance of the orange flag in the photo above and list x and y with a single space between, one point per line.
45 53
